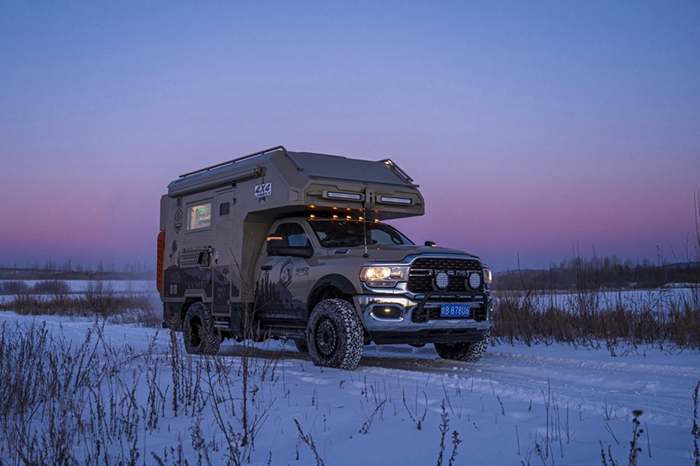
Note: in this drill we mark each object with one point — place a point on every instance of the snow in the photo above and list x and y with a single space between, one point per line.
552 404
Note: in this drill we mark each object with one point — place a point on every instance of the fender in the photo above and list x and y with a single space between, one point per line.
334 280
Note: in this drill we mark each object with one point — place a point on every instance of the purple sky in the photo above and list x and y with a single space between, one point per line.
531 126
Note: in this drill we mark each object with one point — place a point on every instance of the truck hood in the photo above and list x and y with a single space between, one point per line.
396 253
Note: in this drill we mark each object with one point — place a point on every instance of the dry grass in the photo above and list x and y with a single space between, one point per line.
100 299
95 403
595 319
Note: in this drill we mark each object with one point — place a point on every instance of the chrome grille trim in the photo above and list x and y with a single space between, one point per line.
423 269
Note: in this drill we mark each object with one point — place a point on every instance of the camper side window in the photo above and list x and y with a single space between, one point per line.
199 216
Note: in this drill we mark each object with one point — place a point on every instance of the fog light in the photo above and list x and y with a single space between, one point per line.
387 312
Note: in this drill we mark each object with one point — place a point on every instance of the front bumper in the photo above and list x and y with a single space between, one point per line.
393 318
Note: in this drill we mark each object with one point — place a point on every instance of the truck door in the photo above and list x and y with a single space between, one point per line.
283 287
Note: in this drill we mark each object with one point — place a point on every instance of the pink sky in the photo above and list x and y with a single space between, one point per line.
530 128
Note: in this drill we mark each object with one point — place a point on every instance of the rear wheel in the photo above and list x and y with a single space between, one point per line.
302 345
463 351
335 335
198 331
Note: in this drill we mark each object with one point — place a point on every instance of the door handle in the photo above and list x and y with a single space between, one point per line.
266 267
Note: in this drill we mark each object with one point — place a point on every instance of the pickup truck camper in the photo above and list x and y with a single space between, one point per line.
295 245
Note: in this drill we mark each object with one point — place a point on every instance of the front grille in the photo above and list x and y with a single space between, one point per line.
423 271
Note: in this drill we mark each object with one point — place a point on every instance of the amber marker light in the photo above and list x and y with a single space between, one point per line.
348 217
335 217
312 216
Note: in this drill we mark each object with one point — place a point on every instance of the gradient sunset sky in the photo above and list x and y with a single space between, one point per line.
531 127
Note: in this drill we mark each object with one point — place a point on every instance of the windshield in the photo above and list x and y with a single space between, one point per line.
339 233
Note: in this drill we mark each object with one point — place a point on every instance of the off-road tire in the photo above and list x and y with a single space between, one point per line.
302 345
467 351
335 335
198 331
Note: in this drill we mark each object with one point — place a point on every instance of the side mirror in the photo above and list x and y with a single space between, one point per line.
274 243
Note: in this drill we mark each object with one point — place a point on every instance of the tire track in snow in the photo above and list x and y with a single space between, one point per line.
663 392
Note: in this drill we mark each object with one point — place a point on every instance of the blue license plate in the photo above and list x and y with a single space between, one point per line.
455 310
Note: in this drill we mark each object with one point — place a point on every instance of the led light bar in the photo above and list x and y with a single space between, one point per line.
395 200
336 195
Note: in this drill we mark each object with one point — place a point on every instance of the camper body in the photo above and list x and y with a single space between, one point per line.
293 245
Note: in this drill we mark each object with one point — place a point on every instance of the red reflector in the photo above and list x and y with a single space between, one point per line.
161 262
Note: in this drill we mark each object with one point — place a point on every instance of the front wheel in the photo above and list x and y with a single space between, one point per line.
335 335
464 351
198 331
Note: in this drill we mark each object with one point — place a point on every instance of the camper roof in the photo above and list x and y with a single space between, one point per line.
306 180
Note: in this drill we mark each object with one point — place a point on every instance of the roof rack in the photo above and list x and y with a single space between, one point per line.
245 157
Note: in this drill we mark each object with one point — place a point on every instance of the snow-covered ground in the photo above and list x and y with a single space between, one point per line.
519 405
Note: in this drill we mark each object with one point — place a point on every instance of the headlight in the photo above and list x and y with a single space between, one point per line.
488 278
384 275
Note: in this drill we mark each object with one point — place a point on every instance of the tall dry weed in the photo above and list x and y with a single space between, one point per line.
594 319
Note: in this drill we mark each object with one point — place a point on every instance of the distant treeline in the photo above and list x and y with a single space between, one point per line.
596 274
53 271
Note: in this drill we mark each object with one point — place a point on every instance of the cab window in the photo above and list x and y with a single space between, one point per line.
293 234
340 233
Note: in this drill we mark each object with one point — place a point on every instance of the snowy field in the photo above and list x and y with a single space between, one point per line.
120 286
659 298
77 287
518 406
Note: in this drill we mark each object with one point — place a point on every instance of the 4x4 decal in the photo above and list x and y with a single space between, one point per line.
263 190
